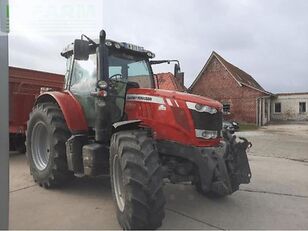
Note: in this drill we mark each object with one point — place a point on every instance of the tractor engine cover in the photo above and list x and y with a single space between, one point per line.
176 116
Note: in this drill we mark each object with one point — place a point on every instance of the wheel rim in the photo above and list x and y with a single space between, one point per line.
40 146
118 183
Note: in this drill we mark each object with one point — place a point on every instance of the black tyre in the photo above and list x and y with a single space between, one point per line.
21 149
209 194
46 152
220 186
20 144
12 143
136 180
17 143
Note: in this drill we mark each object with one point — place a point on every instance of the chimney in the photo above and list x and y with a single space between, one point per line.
180 78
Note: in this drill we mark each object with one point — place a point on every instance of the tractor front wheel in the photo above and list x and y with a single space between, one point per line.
136 180
45 139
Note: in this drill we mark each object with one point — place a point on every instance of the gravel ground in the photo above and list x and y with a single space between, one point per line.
288 141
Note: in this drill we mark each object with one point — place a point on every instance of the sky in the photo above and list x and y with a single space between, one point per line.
267 39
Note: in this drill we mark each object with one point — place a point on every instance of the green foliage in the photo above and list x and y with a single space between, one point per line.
248 127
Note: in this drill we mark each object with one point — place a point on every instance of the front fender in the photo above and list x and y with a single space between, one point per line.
70 107
126 125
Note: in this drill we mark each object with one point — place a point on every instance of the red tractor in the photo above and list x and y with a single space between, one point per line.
111 120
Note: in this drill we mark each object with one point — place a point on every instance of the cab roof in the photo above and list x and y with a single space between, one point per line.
69 49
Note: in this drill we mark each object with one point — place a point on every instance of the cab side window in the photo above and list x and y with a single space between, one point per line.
84 75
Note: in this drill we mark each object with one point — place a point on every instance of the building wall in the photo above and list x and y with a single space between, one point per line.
289 107
217 83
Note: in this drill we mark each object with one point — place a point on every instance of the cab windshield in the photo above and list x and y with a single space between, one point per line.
122 67
131 69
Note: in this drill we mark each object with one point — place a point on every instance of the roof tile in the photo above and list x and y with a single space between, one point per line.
167 81
240 75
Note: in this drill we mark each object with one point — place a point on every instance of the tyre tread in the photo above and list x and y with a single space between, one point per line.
142 174
58 174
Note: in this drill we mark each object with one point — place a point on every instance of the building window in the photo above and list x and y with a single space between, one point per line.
277 107
226 108
302 107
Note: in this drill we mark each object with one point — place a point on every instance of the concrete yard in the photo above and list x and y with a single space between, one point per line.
277 197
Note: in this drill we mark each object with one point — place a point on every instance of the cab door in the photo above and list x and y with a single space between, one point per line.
82 83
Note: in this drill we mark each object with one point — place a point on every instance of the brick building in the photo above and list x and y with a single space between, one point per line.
243 99
167 81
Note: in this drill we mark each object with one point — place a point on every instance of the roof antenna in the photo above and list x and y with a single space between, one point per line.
102 37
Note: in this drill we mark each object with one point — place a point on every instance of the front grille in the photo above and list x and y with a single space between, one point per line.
207 121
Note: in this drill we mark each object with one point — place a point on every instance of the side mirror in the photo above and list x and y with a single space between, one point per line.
81 49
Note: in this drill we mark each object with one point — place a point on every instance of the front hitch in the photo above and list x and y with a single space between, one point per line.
237 160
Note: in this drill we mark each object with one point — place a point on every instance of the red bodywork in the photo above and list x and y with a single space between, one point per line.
168 115
70 107
24 86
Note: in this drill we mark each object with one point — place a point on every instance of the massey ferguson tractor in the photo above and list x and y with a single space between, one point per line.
111 120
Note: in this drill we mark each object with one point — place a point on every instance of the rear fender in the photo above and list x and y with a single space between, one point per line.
70 107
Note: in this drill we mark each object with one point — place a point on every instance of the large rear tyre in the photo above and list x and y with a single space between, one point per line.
136 180
46 152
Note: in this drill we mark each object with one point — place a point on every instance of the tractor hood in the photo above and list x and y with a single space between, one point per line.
166 95
184 118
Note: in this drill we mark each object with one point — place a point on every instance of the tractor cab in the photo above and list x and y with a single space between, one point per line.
105 69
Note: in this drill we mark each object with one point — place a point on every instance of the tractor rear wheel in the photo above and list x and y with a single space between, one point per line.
46 152
136 180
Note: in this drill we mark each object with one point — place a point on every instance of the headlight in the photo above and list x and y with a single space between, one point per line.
108 43
150 55
101 84
117 45
198 107
201 108
206 134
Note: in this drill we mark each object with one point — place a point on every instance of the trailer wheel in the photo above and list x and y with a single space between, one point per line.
20 144
17 143
136 180
46 152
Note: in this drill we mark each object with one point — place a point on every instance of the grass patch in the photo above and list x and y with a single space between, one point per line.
248 127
